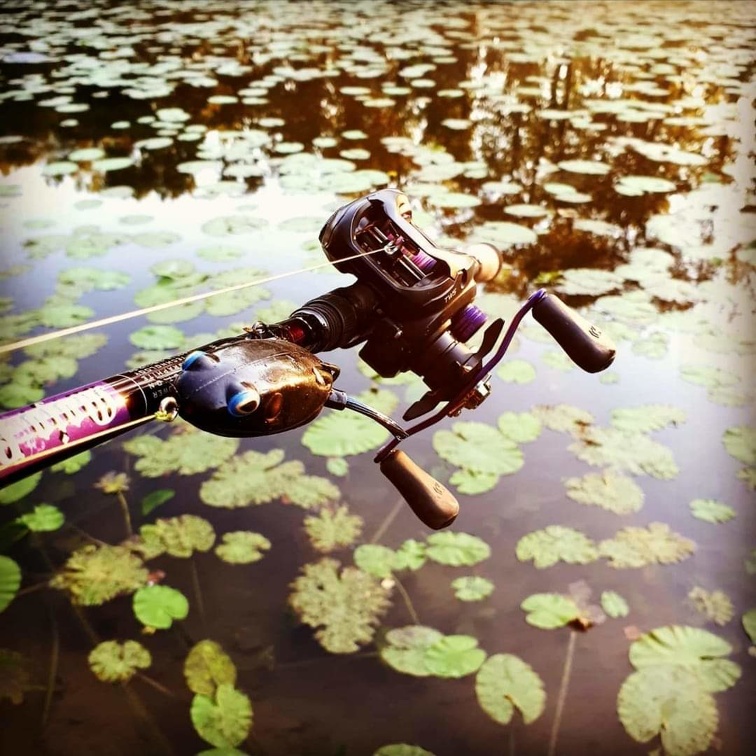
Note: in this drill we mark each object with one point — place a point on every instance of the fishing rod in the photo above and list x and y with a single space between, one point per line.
412 309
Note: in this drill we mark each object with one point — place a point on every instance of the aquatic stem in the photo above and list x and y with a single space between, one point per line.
32 588
407 601
566 672
126 515
390 517
54 660
155 684
198 592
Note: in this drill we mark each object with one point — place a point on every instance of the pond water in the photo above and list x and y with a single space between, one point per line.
154 150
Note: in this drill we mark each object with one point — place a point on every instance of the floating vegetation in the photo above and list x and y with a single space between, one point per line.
95 574
223 720
454 656
608 489
253 478
178 537
456 549
404 649
186 452
517 371
626 451
112 661
344 606
242 547
520 427
710 510
506 683
669 695
472 588
714 605
207 666
333 529
614 605
638 547
157 606
647 418
44 518
556 543
564 418
740 442
550 610
10 581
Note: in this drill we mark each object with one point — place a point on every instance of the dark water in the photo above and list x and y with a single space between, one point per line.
471 97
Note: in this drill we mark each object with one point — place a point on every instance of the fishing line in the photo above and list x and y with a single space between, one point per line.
5 348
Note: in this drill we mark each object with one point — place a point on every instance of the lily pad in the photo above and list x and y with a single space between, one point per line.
478 447
242 547
456 549
564 418
714 605
402 749
614 605
208 666
343 605
333 529
43 518
589 282
10 581
670 702
254 478
112 661
638 547
223 720
94 574
710 510
411 555
505 683
157 606
178 536
550 610
187 453
740 442
454 656
647 418
609 490
520 427
472 588
375 559
404 649
556 543
517 371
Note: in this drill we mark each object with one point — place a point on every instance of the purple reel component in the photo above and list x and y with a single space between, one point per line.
467 322
425 262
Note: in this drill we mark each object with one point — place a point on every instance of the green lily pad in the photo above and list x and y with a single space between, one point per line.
609 490
478 447
402 749
632 452
614 605
187 453
333 529
589 281
505 683
345 433
670 702
157 337
740 442
224 720
647 418
375 559
157 606
43 518
520 427
94 574
638 547
411 555
456 549
178 536
590 167
714 605
637 186
207 666
155 499
10 581
112 661
405 647
472 588
471 483
517 371
749 624
564 418
556 543
550 610
710 510
454 656
242 547
254 478
344 606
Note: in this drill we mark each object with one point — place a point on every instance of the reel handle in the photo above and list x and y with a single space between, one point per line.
434 505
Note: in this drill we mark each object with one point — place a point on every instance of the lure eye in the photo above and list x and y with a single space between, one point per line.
244 403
